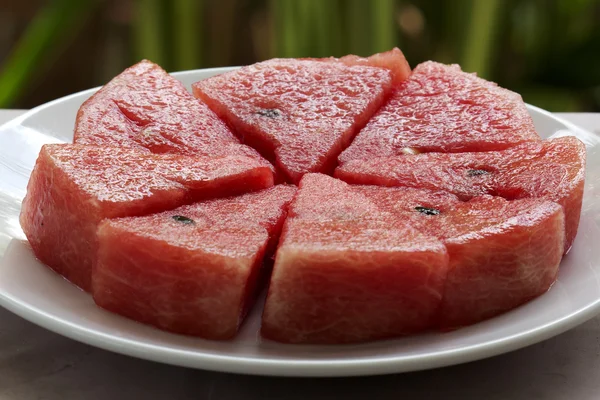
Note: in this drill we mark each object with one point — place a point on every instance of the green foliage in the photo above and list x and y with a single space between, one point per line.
323 28
187 40
51 29
545 49
478 48
149 28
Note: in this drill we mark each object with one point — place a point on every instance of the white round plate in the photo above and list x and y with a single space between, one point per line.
32 291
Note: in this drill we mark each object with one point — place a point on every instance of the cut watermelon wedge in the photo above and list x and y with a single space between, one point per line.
346 271
357 263
552 169
73 187
192 270
301 113
392 60
502 253
147 109
168 219
440 108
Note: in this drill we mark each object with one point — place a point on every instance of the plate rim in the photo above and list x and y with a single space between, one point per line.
281 367
296 368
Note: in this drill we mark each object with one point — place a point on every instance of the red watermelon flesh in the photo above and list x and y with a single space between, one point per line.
301 113
147 109
553 169
73 187
192 270
507 264
439 108
346 271
502 253
393 60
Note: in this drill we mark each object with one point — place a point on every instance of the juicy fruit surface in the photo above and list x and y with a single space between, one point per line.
192 270
357 263
392 60
73 187
302 113
503 265
471 228
501 253
552 169
346 271
147 109
440 108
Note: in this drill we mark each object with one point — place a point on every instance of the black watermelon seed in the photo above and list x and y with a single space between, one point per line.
183 220
477 172
427 211
269 112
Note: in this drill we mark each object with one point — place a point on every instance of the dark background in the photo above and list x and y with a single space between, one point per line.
548 50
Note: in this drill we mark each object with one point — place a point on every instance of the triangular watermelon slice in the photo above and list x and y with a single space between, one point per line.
358 263
193 270
147 109
347 271
440 108
73 187
552 169
301 113
502 253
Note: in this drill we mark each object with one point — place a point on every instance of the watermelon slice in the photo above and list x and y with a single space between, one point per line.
393 60
192 270
301 113
471 228
514 258
346 271
147 109
73 187
502 253
440 108
552 169
358 263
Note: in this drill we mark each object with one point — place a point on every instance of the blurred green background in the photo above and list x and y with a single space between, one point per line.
548 50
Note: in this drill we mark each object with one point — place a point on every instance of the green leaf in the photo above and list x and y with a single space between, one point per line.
149 32
187 43
481 29
358 26
384 27
55 23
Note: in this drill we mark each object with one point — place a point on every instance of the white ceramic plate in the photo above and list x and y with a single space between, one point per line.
32 291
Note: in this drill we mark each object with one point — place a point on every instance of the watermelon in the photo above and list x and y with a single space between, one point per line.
346 271
192 270
449 209
73 187
439 108
501 253
301 113
147 109
553 169
392 60
358 263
